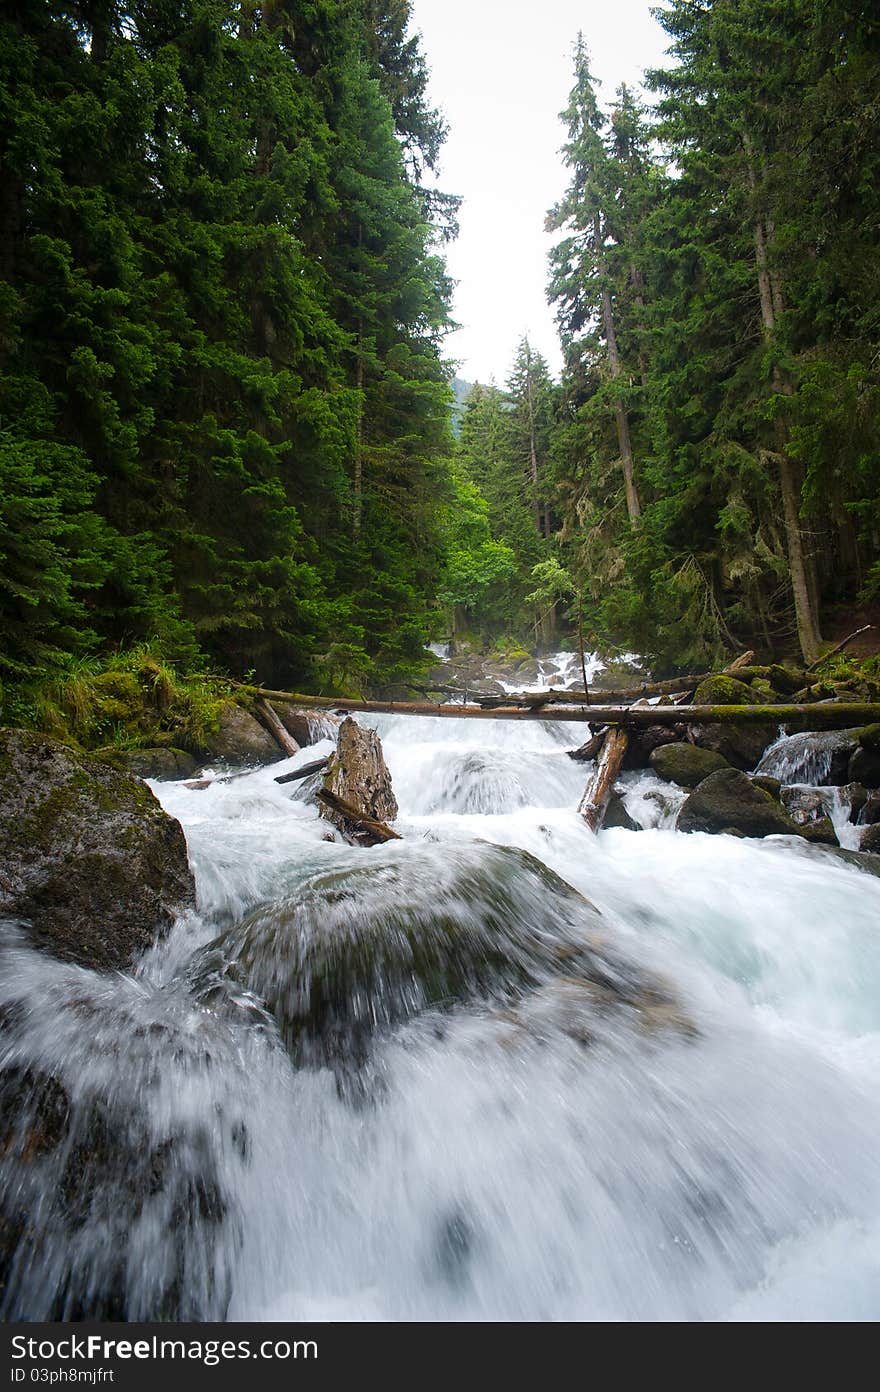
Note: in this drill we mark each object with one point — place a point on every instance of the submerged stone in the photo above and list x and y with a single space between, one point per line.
415 928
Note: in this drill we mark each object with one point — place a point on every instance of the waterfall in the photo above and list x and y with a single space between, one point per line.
500 1070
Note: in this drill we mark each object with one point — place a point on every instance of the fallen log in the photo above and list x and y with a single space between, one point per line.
601 784
281 736
823 715
305 771
587 752
377 830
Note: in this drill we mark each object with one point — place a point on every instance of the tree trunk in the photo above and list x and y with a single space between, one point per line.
358 482
601 785
772 305
633 506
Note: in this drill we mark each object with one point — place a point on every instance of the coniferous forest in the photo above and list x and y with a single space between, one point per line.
226 417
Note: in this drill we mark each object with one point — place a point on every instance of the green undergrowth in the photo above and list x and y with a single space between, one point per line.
131 700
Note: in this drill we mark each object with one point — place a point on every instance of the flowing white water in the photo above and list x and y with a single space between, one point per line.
563 669
494 1167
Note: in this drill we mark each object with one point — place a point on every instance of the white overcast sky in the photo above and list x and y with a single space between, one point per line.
501 71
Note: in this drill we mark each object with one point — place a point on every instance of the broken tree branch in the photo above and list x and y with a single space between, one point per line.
305 771
865 628
378 830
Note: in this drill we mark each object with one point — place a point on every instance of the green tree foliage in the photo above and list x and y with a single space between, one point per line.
223 406
745 301
504 451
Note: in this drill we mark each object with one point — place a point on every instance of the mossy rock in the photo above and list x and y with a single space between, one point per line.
89 861
725 691
771 785
820 831
240 739
411 928
729 801
685 764
159 763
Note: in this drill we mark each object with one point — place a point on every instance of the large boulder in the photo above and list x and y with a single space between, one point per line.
871 839
864 763
685 764
729 801
643 742
89 861
159 763
740 742
357 773
361 950
241 739
306 726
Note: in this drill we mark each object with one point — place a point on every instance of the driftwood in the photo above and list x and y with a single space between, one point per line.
378 831
599 788
199 784
281 736
865 628
744 660
587 752
305 771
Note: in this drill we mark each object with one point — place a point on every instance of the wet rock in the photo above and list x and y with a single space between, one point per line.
307 726
864 767
818 758
616 815
241 739
820 830
871 839
642 743
728 800
771 785
157 763
358 774
415 928
865 806
89 861
685 764
803 804
869 738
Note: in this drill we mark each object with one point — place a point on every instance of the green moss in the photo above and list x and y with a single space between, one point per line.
724 691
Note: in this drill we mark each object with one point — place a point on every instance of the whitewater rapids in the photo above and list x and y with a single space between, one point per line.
728 1172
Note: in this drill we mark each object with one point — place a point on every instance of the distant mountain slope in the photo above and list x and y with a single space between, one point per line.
462 390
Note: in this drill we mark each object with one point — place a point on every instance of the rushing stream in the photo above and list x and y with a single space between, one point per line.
472 1134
